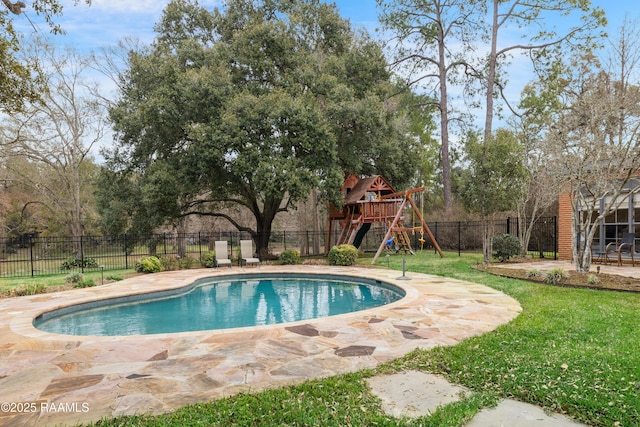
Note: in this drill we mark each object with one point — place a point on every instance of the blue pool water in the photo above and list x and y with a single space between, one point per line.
222 303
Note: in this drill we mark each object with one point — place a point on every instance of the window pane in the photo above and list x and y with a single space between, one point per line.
623 215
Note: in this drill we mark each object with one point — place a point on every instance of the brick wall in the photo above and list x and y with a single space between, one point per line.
565 251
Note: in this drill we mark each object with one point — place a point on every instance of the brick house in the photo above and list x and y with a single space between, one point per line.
625 219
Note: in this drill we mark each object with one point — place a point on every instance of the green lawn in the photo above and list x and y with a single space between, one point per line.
14 283
570 350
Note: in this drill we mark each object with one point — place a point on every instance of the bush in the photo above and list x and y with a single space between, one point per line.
592 279
208 259
186 262
149 264
114 278
290 256
85 284
343 255
169 263
74 277
505 246
72 262
31 289
534 272
555 276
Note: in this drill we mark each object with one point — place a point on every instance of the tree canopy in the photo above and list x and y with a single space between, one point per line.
18 80
493 179
253 105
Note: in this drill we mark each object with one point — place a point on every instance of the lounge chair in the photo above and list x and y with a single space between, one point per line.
626 247
222 256
246 252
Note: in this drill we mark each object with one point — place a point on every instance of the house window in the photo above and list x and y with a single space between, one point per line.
618 222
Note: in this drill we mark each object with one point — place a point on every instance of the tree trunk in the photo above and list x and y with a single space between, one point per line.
444 126
77 228
316 222
264 222
491 77
487 239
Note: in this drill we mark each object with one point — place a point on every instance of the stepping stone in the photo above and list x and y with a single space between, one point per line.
514 413
413 393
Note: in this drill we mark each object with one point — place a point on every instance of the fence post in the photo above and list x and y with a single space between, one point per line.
31 256
459 237
508 225
126 252
81 254
555 237
164 243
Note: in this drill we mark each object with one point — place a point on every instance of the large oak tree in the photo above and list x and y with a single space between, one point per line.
253 104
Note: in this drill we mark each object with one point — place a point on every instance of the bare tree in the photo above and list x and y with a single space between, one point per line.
533 17
542 187
596 139
431 42
58 133
18 80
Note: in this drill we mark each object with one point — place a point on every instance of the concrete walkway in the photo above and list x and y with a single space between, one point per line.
49 379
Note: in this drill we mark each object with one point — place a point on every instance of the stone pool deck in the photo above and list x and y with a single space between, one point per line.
50 379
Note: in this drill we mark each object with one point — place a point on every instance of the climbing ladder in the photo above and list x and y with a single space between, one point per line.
350 227
403 242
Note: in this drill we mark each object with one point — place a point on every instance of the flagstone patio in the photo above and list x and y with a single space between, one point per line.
49 379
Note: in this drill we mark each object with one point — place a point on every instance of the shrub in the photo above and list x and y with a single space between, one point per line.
534 272
343 255
114 278
85 284
290 256
505 246
72 262
149 264
592 279
555 276
186 262
169 263
31 289
208 259
74 277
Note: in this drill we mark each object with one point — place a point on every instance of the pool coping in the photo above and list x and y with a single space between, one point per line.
112 376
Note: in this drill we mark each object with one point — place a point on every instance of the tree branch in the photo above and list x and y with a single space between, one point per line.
15 8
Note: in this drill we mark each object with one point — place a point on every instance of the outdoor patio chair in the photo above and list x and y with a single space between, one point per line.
246 252
625 249
222 256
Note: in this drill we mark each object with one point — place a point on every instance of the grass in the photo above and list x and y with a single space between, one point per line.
55 280
573 351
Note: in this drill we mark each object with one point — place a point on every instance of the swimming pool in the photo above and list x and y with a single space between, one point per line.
222 303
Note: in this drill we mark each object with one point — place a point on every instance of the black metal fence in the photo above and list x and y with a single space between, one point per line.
38 255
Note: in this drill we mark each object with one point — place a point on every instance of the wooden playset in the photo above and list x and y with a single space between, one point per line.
372 200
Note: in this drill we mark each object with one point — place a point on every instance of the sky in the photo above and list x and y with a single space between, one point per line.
106 22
